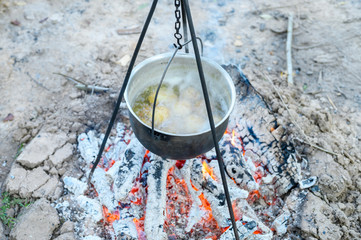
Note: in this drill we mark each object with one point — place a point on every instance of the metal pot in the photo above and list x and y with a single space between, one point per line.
170 145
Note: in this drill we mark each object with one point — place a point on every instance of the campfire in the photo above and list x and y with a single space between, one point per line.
136 194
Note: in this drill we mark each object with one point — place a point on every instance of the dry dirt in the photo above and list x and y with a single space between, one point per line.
85 40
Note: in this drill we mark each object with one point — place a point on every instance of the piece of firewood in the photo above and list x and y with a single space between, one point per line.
128 169
157 196
289 48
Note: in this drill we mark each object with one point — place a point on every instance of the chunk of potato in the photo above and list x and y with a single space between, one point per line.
164 95
191 94
161 114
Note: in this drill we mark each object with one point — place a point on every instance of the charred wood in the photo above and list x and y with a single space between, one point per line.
126 171
156 201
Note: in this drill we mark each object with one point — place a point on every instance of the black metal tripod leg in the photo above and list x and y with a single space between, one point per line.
185 31
125 83
210 116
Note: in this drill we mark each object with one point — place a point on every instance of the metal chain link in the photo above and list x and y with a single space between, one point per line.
178 36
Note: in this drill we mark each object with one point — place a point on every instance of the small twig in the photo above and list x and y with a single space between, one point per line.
129 31
340 92
331 102
83 86
314 92
295 122
324 44
309 47
320 76
289 49
271 8
348 156
37 82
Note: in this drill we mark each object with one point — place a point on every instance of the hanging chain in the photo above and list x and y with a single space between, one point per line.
177 25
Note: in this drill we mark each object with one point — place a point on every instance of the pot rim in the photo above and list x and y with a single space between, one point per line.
183 55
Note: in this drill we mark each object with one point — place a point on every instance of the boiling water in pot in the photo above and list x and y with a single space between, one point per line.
180 106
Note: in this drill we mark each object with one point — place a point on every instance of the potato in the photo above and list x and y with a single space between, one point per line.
164 95
178 110
191 94
161 114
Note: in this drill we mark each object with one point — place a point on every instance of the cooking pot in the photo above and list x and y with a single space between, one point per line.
171 145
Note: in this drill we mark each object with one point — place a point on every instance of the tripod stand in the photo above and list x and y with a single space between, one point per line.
186 20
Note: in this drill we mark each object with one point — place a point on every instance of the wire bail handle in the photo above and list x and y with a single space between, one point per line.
162 78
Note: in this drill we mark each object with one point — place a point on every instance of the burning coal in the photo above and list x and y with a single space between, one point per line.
138 195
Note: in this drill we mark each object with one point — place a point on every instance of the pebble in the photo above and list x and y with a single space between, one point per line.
238 43
53 171
262 27
358 209
124 60
29 16
56 18
69 68
303 16
75 95
62 171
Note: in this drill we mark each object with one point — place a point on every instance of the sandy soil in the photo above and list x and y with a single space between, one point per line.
85 40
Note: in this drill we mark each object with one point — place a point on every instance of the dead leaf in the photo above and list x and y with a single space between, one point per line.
15 23
9 117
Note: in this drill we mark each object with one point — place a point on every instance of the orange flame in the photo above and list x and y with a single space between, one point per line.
108 148
233 141
205 203
139 225
194 187
110 217
236 211
206 169
258 231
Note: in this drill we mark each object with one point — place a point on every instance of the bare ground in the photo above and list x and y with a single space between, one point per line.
81 39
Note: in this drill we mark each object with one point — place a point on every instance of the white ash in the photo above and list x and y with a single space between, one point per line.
88 146
128 169
103 188
91 207
156 202
307 183
244 231
91 238
117 149
75 186
125 229
196 213
112 173
214 192
281 221
235 191
236 166
266 234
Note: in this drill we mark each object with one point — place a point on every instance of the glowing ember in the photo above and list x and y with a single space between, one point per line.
207 170
253 196
233 142
139 224
167 199
110 217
